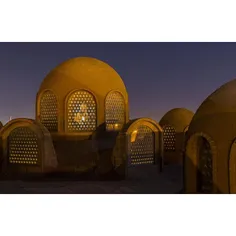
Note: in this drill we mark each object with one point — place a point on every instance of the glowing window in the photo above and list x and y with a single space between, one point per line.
49 111
23 147
114 111
141 146
169 137
81 110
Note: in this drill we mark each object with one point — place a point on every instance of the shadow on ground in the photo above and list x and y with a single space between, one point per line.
142 180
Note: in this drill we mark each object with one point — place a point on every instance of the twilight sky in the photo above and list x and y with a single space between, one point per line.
158 76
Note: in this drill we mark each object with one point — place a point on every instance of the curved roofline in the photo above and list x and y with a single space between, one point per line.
133 122
176 109
88 60
8 125
204 107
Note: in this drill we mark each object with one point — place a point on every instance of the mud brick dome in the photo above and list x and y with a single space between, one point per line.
83 102
89 81
210 157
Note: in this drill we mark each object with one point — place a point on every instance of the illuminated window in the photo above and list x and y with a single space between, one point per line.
48 111
169 137
141 146
115 111
81 110
23 147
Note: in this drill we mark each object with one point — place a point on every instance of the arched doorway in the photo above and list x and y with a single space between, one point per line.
141 158
204 173
199 164
141 146
23 147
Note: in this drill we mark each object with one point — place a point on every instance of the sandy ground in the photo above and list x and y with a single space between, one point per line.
141 180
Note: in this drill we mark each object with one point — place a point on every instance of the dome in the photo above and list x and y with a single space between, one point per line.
81 94
220 101
179 118
86 73
213 125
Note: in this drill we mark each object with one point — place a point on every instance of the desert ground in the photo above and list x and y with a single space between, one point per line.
141 180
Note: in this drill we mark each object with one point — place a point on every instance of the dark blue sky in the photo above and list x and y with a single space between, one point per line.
158 76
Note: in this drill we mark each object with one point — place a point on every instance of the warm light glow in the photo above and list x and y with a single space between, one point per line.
49 111
141 146
134 135
82 114
115 111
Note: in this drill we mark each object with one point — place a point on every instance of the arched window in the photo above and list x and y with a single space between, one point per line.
169 138
23 147
81 112
49 111
141 146
114 111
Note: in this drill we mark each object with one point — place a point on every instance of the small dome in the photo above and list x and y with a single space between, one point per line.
179 118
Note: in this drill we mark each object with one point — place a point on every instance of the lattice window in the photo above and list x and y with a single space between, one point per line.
169 137
115 111
49 111
81 110
205 177
23 147
141 146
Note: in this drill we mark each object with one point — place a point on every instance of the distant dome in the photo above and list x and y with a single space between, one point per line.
179 118
86 73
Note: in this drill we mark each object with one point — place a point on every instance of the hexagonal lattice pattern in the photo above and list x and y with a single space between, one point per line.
81 110
169 138
205 166
115 111
141 146
23 147
49 111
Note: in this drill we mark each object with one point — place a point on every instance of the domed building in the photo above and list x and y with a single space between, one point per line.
83 103
26 149
210 156
139 146
175 124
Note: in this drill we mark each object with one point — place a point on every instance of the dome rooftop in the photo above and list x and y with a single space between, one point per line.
222 100
83 73
179 118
